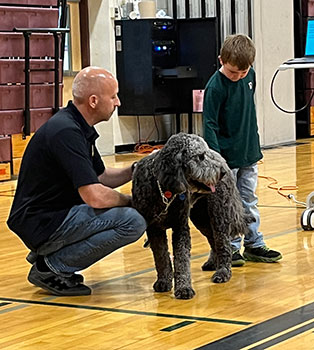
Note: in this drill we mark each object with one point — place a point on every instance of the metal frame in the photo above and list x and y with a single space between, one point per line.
57 33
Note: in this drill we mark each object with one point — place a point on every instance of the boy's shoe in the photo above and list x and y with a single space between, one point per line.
261 254
56 284
237 259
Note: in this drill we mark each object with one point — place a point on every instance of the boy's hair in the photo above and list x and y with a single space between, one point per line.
238 50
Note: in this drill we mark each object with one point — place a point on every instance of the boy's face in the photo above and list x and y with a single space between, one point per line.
232 72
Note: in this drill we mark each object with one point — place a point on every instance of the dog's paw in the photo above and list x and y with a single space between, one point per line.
221 276
209 266
162 286
184 293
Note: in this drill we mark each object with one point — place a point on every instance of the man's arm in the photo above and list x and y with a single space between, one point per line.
115 177
99 196
102 195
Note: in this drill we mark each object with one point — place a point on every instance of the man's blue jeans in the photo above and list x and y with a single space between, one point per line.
246 179
87 235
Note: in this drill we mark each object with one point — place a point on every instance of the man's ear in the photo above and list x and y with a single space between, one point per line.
93 101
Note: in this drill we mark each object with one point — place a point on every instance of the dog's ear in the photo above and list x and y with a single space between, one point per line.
170 173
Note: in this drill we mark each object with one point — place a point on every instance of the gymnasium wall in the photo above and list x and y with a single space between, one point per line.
273 35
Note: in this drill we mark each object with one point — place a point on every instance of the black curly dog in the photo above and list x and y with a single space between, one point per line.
187 179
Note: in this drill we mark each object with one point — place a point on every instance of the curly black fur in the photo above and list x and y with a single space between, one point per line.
187 172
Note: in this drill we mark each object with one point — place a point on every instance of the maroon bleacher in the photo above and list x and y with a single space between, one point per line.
27 14
30 2
12 71
13 45
28 17
12 121
41 95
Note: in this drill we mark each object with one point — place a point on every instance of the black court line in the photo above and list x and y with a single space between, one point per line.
124 311
264 330
177 326
283 337
4 304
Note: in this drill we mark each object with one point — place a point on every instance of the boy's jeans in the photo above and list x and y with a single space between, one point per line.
246 179
87 235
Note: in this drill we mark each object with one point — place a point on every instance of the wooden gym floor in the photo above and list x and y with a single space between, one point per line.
262 306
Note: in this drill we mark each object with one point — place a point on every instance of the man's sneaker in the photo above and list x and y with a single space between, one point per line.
76 278
32 257
56 284
261 254
237 259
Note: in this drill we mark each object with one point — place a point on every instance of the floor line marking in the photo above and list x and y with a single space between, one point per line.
4 304
283 337
177 326
13 308
288 324
277 335
132 312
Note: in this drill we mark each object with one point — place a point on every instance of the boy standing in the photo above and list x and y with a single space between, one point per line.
230 128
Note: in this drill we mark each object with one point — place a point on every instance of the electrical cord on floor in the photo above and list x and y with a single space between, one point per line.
280 108
279 189
144 147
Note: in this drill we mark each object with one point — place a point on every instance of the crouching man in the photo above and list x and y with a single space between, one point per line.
65 209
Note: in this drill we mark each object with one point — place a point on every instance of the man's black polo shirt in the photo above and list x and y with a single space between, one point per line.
59 158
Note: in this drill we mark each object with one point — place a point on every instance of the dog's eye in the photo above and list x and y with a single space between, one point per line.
201 157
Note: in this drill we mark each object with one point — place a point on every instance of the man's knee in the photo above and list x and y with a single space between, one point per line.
138 222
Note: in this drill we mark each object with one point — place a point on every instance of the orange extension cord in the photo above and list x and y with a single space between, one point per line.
146 148
278 188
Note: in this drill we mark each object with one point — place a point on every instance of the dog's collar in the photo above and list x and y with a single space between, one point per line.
167 201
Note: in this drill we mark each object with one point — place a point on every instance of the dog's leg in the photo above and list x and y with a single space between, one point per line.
221 234
159 245
200 218
207 217
181 241
211 263
223 258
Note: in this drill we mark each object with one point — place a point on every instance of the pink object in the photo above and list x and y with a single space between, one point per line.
198 97
308 8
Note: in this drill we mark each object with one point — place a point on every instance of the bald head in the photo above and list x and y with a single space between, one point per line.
90 81
95 92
